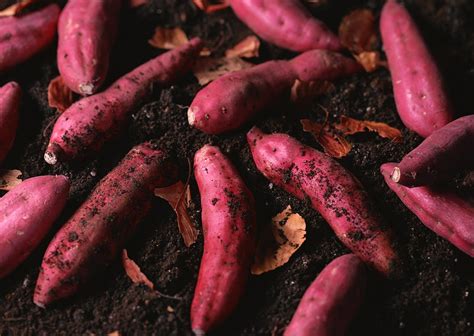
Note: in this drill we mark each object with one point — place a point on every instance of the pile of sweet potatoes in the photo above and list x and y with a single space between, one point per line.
100 227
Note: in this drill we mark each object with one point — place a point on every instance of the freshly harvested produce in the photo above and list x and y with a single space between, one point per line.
233 99
86 33
96 233
332 301
89 123
228 220
332 191
10 95
24 36
287 24
439 156
420 96
443 212
27 213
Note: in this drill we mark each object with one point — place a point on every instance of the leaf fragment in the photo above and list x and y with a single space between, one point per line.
59 95
168 38
350 126
247 48
208 69
133 271
333 144
16 8
9 179
208 7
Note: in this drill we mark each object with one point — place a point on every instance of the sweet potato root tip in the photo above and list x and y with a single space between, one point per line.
192 115
87 89
395 175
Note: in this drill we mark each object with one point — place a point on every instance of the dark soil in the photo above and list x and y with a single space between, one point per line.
435 294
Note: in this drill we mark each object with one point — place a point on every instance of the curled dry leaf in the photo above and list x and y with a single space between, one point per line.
280 242
59 95
208 69
357 31
247 48
178 196
16 8
168 38
9 179
209 7
334 145
370 60
351 126
304 92
133 271
137 3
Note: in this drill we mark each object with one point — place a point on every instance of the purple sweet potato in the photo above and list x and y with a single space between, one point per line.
24 36
441 211
420 96
89 123
332 191
86 33
26 215
439 156
235 98
228 220
332 301
10 95
287 24
97 231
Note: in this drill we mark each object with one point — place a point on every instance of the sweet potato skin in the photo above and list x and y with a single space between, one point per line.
332 191
89 123
420 96
332 300
443 212
86 33
228 219
287 24
27 213
439 155
233 99
100 227
24 36
10 96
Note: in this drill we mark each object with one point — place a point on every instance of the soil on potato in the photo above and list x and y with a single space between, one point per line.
434 295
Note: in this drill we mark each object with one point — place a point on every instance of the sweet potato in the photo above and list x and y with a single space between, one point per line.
86 33
332 301
441 211
97 231
439 155
332 191
231 100
89 123
10 95
420 96
287 24
26 215
24 36
228 220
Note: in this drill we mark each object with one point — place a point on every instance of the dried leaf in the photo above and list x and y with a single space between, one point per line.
168 38
288 232
17 7
333 144
133 271
208 7
351 126
370 60
59 95
247 48
178 196
9 179
357 31
137 3
304 92
208 69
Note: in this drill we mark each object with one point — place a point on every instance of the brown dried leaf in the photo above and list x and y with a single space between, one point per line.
133 271
208 69
370 60
357 31
16 8
304 92
59 95
208 7
168 38
280 242
351 126
178 196
333 144
9 179
247 48
137 3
